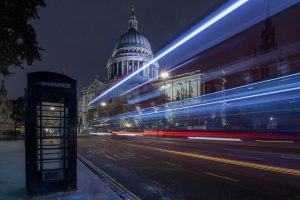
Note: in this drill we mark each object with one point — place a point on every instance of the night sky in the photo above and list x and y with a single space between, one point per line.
79 36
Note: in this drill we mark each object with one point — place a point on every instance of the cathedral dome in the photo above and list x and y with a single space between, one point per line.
133 38
131 52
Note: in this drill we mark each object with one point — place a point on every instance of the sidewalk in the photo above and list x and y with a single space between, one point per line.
12 178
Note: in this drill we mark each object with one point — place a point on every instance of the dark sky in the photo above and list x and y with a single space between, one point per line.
79 36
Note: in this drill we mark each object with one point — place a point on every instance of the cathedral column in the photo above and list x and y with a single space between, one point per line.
132 64
138 66
124 67
118 69
121 65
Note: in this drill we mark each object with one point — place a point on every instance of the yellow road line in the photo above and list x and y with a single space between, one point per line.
276 141
224 160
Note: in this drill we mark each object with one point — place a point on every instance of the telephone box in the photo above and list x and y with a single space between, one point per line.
50 133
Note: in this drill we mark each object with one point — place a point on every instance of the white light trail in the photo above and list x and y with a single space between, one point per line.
222 101
216 138
177 44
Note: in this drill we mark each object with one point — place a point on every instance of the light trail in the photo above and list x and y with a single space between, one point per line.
260 136
276 7
227 69
216 138
204 26
219 102
252 91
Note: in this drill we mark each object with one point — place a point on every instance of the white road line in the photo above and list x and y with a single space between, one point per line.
290 157
107 156
98 151
120 157
172 164
157 183
219 176
92 151
162 185
146 157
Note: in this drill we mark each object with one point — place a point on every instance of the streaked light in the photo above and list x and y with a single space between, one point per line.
177 44
99 133
129 134
216 138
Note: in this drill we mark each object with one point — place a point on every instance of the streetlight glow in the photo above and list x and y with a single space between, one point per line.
164 75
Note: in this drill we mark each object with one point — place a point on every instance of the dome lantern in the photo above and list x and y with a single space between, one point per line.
133 23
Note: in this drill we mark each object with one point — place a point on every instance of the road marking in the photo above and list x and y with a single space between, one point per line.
92 151
146 157
275 141
290 157
172 164
98 151
111 180
120 157
265 167
219 176
162 185
107 156
157 183
229 154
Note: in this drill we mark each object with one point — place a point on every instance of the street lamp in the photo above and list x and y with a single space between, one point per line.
103 104
164 76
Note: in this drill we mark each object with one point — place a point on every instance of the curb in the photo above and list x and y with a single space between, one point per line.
122 191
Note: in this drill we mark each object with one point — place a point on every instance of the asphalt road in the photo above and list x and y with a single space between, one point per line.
163 168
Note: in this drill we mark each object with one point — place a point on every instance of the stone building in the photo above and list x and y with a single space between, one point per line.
6 118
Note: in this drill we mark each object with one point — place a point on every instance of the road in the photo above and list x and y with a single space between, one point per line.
180 168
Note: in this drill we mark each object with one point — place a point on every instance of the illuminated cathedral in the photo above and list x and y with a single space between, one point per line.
132 50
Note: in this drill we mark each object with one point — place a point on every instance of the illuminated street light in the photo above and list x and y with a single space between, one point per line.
103 104
52 108
164 75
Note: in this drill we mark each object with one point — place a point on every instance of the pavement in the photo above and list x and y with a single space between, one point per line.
12 178
179 168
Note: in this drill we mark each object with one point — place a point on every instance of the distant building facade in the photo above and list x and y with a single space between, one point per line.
6 118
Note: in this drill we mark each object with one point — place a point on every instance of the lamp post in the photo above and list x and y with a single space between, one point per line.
164 76
103 105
